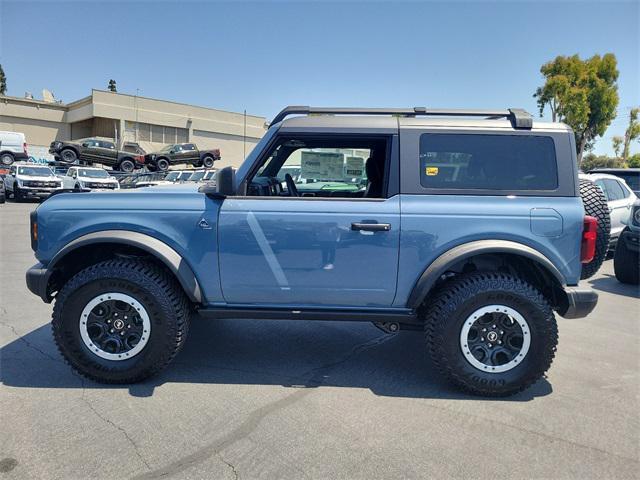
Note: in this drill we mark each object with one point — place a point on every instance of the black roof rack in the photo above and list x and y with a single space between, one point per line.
519 118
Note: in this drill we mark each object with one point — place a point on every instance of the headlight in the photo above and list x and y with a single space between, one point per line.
636 216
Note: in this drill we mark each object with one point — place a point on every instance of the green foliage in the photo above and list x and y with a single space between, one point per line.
112 86
3 82
591 160
632 133
581 93
617 145
634 161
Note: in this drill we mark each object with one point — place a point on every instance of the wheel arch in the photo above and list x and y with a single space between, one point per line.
544 270
109 243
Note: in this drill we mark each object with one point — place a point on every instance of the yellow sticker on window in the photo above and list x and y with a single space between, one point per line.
431 171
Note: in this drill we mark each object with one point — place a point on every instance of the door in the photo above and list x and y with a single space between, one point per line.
191 154
107 153
618 202
179 155
335 247
90 150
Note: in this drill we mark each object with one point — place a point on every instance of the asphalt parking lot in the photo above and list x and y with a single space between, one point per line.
248 399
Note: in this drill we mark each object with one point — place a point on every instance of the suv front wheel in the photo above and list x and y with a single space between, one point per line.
120 321
490 333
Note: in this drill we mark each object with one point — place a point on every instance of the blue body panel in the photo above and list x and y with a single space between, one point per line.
277 251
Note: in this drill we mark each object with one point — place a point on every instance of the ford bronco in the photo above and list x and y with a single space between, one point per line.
466 225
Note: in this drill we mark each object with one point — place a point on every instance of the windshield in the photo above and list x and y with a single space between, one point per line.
35 171
172 176
209 175
196 176
167 148
91 173
184 176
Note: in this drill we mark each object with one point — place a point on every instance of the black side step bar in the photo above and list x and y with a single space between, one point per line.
520 119
382 315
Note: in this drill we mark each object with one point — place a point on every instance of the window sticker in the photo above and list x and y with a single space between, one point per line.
431 171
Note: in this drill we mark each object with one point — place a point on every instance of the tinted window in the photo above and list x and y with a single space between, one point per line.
632 179
107 145
189 146
614 190
487 162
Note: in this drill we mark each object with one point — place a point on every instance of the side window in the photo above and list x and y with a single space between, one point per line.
176 148
487 162
614 189
625 189
70 172
189 146
108 145
324 167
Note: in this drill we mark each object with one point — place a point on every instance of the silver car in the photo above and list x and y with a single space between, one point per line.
619 197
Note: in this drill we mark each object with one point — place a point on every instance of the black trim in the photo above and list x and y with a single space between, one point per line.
445 261
580 302
374 315
37 278
519 118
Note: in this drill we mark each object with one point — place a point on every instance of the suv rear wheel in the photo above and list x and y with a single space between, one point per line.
595 205
127 165
162 164
491 334
207 161
6 159
120 321
68 155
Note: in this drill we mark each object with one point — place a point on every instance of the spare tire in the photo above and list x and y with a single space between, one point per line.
595 205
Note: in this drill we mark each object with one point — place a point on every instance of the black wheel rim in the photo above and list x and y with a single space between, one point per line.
115 326
495 338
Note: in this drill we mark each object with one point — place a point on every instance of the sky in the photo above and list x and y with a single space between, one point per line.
262 56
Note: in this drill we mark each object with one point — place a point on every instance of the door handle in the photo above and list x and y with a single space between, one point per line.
371 227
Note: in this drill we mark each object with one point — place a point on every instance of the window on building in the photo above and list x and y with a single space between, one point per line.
156 134
182 134
169 134
144 132
487 162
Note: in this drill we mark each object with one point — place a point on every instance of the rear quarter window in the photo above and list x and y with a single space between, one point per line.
487 162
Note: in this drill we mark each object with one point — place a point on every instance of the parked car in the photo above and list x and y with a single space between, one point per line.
3 195
13 147
630 175
142 179
471 230
95 150
181 153
177 176
201 176
619 199
87 178
30 180
626 262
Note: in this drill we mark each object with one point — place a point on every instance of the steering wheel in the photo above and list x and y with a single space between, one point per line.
291 186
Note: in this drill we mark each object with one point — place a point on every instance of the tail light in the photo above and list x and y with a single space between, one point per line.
589 236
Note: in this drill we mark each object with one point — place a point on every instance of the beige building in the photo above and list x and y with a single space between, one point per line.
127 118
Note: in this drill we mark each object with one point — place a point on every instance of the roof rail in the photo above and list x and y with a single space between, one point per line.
520 119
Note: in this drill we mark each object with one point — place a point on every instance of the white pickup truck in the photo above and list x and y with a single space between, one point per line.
87 178
30 180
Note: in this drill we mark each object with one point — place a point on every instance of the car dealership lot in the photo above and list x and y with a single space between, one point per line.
249 399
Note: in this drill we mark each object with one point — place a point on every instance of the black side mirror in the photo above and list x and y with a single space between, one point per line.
225 184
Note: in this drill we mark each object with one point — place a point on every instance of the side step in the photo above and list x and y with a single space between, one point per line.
394 315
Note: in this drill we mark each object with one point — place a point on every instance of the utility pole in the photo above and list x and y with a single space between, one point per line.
136 109
244 136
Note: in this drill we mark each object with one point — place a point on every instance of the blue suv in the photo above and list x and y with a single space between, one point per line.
466 225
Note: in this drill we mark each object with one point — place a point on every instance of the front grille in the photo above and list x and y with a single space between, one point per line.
110 186
34 183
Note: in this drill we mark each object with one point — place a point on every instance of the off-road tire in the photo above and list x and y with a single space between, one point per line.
595 205
7 159
153 287
626 263
207 161
127 166
162 164
446 312
68 155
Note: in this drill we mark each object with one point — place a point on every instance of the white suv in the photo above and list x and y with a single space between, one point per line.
87 178
31 180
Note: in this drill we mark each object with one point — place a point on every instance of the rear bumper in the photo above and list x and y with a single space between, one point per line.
580 302
37 281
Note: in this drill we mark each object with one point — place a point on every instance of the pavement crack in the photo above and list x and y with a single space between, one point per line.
228 464
29 344
315 378
111 423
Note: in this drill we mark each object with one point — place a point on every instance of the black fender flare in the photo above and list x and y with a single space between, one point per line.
163 252
441 264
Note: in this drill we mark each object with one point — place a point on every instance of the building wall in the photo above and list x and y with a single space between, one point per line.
112 115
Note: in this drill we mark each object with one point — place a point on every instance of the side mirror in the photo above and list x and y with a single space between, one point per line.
172 151
225 184
85 144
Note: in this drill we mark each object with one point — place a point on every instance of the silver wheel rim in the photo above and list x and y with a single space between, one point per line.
497 336
94 345
7 159
68 156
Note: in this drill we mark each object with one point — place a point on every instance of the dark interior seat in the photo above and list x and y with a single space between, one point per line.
375 174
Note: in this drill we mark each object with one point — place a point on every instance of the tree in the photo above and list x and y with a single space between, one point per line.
112 86
591 161
3 82
632 132
617 145
634 161
581 93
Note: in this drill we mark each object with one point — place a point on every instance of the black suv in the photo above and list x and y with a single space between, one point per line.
181 153
94 150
